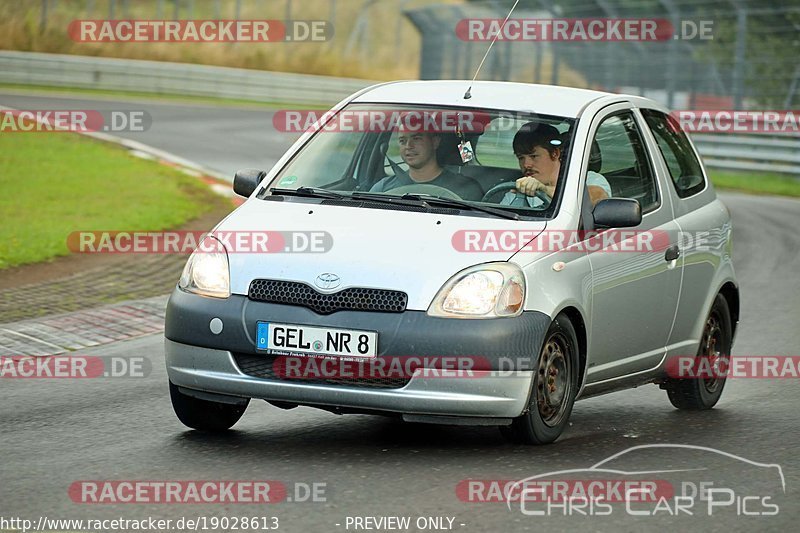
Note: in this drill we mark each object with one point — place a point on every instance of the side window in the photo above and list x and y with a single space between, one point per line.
684 168
619 155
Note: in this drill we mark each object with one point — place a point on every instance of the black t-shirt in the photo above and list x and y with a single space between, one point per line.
461 185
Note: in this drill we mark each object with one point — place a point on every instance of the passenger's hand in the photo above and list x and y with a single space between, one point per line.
528 185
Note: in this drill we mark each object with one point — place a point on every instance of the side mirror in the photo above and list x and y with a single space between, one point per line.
245 181
617 213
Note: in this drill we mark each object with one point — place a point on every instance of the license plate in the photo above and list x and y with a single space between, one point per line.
311 340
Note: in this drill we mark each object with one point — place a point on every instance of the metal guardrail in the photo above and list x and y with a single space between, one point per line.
756 153
158 77
753 153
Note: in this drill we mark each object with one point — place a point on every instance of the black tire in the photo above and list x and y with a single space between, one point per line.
696 394
204 415
553 390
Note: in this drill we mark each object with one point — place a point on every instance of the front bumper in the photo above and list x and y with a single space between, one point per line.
200 360
494 394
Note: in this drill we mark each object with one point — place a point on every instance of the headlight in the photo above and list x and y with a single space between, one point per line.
206 271
483 291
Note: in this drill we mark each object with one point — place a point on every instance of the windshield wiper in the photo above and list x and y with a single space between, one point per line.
385 198
409 199
452 202
309 192
316 192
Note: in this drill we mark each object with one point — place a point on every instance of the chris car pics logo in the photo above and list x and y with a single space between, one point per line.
711 483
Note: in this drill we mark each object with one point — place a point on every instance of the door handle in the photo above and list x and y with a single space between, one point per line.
672 253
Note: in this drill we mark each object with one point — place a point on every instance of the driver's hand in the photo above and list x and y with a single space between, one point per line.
528 185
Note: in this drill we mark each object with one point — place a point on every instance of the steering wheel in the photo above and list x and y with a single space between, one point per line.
508 185
425 188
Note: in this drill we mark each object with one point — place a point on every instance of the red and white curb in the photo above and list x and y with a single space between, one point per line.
66 332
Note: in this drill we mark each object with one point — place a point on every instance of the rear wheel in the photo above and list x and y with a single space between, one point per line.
205 415
553 390
695 394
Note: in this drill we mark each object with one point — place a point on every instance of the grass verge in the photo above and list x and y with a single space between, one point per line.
52 184
761 183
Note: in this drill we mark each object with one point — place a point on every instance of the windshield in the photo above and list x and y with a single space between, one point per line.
474 156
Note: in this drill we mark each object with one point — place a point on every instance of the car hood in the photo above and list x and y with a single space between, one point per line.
377 248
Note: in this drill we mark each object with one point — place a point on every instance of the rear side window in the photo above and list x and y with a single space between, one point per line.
684 168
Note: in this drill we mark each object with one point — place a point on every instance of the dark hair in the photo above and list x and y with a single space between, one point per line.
535 134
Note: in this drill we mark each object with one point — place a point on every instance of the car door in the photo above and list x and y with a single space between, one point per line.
634 293
704 223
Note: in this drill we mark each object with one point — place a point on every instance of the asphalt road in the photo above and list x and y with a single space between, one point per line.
224 139
56 432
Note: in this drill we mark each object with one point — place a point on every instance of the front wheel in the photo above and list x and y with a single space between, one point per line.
553 389
696 394
204 415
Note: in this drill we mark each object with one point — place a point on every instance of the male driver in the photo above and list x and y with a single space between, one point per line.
538 150
418 150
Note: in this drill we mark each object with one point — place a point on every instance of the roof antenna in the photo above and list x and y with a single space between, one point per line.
468 94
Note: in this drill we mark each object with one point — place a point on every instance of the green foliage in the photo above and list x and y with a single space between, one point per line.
756 183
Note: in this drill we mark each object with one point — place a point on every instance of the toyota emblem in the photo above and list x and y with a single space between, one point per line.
327 281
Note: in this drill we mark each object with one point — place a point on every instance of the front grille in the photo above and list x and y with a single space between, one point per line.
263 366
352 299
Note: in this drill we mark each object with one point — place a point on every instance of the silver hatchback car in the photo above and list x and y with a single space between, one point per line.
481 258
